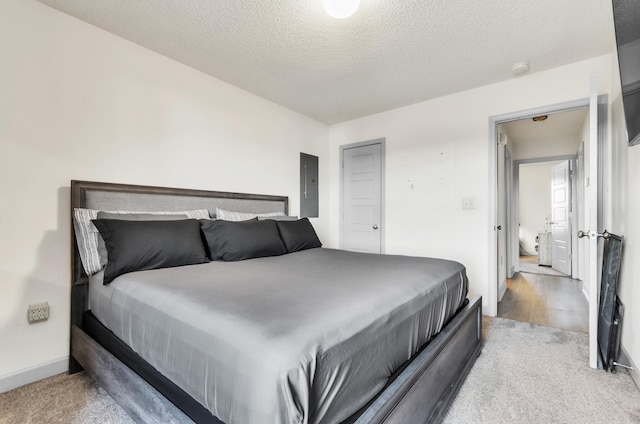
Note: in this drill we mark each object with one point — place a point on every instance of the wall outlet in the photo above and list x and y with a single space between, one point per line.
38 312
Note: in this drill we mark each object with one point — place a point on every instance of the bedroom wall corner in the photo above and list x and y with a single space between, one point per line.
80 103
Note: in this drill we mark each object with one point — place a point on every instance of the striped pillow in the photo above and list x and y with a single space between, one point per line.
87 234
242 216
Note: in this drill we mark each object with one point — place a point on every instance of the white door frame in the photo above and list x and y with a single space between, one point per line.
492 250
579 262
382 142
509 215
516 201
601 199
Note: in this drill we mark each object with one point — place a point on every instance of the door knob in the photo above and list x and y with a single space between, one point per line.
375 226
499 227
593 234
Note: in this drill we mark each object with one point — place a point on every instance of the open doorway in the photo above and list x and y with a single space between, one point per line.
546 211
538 203
596 180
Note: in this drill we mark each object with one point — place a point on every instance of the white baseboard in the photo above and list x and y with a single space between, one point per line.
32 374
585 291
502 290
625 359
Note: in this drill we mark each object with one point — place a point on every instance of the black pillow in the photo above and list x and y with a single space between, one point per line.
142 245
102 248
298 235
240 240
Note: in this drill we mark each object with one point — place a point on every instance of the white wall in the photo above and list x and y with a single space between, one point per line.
535 202
629 290
441 146
79 103
625 212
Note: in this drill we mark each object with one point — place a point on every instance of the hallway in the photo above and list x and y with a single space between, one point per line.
547 300
529 265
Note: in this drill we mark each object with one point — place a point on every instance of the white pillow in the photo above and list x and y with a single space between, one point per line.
87 234
242 216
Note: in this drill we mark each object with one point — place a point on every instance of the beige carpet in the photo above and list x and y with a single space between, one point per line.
532 374
61 399
525 374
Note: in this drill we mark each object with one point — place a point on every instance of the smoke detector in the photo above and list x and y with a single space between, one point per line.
520 68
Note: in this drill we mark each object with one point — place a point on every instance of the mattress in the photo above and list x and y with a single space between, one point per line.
307 337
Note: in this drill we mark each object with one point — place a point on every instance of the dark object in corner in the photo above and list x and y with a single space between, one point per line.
608 325
616 336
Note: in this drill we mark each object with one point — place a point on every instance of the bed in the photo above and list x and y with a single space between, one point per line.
323 336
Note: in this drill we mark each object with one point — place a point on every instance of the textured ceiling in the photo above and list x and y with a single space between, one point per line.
391 53
558 126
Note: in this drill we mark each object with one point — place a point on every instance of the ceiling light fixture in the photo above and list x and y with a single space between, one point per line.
520 68
540 118
341 9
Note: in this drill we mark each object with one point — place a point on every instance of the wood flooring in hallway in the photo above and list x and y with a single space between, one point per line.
546 300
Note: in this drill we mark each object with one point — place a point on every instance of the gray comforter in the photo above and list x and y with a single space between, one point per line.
307 337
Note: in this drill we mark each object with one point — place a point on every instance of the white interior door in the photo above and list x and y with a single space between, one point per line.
560 218
361 202
591 219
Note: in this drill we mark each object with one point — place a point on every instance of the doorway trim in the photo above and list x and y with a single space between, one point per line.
574 207
383 223
494 121
580 199
509 217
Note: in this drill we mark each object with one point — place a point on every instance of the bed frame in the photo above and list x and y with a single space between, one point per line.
419 392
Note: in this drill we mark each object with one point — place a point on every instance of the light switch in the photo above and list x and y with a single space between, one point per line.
469 203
